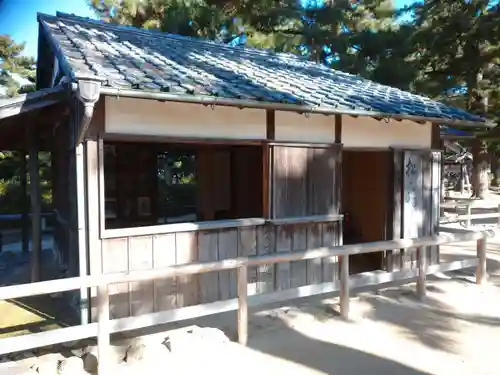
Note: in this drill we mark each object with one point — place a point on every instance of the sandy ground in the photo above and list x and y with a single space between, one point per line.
456 330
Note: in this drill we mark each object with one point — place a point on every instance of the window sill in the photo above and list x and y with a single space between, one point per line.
214 225
182 227
306 219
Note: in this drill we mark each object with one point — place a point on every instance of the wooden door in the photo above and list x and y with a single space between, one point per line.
416 192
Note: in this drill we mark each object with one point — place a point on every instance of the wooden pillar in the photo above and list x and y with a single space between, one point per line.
266 164
36 205
25 203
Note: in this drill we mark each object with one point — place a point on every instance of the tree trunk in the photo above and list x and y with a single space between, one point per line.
479 169
477 102
494 168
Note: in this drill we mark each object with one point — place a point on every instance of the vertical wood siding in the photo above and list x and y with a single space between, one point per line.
161 250
417 177
305 182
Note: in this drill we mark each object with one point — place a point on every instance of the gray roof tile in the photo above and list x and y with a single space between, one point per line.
144 60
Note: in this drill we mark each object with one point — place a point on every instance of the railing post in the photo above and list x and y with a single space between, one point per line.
344 286
242 305
498 218
469 211
481 272
103 334
422 272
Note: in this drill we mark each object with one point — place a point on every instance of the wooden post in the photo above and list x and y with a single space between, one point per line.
36 209
25 205
481 271
344 286
103 332
469 212
242 305
422 271
498 215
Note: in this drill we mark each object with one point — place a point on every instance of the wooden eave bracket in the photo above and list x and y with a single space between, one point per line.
87 92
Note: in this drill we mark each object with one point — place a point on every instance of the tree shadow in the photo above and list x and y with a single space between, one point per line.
327 357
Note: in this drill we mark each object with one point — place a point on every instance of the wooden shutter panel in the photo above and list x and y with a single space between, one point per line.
305 180
417 176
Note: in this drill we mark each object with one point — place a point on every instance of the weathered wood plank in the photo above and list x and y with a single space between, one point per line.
280 173
436 202
247 245
322 197
265 245
298 269
186 246
115 259
228 248
284 235
314 240
140 257
208 242
396 255
165 290
330 235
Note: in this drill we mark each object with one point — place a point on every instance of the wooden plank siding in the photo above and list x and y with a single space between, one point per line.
417 177
305 182
160 250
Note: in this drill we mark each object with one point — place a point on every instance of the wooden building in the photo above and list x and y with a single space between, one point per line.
168 150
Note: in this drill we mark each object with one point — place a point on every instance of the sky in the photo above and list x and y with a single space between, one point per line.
18 17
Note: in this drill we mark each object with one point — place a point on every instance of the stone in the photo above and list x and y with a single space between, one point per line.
71 366
140 351
8 367
47 364
90 362
135 352
213 334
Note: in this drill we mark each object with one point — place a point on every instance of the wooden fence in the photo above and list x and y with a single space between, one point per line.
468 216
104 326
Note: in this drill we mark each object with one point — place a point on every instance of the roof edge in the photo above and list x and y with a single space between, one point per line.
239 103
54 46
33 100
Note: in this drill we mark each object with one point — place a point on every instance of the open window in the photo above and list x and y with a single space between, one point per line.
152 183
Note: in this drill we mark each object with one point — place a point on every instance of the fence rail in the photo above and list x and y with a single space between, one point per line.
105 326
469 216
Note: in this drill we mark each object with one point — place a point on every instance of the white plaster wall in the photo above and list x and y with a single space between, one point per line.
356 132
150 117
294 127
369 132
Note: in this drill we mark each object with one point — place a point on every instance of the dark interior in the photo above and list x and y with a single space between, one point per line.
150 184
365 179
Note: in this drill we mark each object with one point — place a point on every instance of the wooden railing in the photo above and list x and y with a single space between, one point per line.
104 326
469 216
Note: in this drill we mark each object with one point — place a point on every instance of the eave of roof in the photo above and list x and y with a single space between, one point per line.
305 109
434 112
33 100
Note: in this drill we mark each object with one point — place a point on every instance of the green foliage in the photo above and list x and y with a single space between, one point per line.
13 62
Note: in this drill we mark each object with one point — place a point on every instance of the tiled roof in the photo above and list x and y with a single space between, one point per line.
130 58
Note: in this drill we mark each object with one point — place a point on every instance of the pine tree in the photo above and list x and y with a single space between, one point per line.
13 62
458 48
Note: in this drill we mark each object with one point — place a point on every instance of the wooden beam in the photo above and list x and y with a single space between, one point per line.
338 128
436 137
266 164
25 203
36 205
